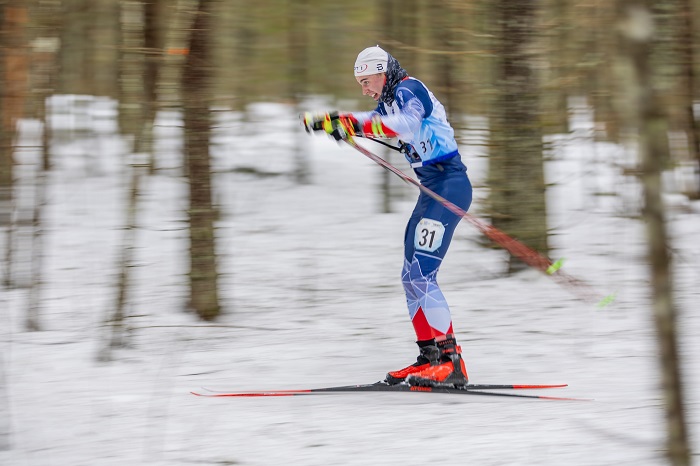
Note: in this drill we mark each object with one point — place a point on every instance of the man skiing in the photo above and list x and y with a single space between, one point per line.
406 109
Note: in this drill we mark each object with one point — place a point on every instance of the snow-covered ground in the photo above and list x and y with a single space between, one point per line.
312 297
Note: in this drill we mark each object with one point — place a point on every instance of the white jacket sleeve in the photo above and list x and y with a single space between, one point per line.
406 120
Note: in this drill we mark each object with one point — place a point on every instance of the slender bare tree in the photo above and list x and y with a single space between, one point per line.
687 41
6 159
102 37
298 43
153 42
6 419
74 56
43 71
13 84
131 123
444 18
675 62
636 26
176 35
131 70
13 91
37 251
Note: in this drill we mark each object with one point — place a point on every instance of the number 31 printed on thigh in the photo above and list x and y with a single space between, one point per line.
429 235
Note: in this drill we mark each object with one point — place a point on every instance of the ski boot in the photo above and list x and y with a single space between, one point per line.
428 356
448 371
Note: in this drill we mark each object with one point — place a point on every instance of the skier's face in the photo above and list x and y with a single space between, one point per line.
372 85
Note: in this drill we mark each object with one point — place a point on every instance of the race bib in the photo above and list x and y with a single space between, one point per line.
429 235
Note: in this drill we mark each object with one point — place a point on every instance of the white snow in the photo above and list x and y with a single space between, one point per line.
312 297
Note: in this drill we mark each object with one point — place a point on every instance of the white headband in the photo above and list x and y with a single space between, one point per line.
372 60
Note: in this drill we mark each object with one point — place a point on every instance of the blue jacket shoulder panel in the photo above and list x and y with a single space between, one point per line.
409 88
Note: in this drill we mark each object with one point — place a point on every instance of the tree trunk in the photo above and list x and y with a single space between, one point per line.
387 24
298 44
602 85
245 37
13 92
132 71
131 120
516 173
115 322
37 253
6 421
442 17
673 63
104 51
43 71
6 159
196 99
406 24
73 55
555 77
635 23
175 40
686 42
46 45
153 41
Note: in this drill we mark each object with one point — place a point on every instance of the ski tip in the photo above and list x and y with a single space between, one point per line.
526 386
561 398
251 394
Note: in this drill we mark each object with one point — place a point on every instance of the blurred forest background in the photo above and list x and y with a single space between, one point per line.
518 64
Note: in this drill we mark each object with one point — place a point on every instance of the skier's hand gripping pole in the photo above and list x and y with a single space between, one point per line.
338 126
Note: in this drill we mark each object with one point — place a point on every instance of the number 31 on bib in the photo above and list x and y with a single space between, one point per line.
429 235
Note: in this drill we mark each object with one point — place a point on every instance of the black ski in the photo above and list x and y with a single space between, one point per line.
472 389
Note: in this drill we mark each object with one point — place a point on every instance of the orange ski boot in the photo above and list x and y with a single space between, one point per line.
449 371
428 356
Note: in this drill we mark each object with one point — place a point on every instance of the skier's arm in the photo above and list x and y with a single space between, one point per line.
407 120
375 123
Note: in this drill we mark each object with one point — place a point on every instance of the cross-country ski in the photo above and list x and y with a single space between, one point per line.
471 389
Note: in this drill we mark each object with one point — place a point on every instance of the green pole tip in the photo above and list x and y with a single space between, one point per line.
556 266
607 300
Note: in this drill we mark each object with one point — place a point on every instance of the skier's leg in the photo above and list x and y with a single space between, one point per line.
428 237
428 351
432 236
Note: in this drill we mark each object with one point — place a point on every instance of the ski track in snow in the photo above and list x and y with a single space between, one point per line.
312 297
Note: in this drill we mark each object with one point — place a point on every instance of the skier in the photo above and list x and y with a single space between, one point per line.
407 110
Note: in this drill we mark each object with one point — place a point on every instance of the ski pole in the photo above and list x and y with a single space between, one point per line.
526 254
390 146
